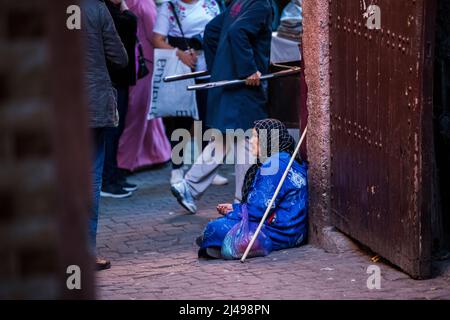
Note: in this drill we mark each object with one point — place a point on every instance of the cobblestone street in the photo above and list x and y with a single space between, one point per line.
150 241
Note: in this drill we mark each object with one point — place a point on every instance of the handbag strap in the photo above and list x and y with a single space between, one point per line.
140 50
177 19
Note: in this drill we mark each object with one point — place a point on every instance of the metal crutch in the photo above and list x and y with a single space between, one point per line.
283 178
204 75
226 83
201 75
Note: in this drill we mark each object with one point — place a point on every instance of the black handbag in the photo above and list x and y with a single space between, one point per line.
184 43
142 63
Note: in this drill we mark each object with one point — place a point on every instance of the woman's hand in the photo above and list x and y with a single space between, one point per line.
189 58
254 80
224 208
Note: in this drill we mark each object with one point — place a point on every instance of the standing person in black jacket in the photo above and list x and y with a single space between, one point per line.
102 46
115 184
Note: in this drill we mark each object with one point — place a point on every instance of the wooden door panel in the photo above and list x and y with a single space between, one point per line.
380 128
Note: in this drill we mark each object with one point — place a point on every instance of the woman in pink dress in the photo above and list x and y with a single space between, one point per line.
143 142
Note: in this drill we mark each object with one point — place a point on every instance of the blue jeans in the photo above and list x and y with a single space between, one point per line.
98 144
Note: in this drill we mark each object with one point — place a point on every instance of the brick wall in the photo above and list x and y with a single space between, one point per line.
44 164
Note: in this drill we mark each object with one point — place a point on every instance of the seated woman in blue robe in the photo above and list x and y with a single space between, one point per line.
286 226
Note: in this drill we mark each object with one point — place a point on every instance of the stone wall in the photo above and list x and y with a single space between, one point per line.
316 58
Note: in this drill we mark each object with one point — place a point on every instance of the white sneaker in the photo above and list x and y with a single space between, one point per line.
184 197
219 180
176 176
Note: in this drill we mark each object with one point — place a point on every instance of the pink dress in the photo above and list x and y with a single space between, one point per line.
143 142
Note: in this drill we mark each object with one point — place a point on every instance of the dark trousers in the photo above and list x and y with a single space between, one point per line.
202 104
111 173
173 123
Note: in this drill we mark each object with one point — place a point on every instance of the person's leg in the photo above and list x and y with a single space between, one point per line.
169 127
176 174
201 97
202 105
243 161
171 124
205 168
112 136
199 177
122 108
111 186
213 236
108 168
98 144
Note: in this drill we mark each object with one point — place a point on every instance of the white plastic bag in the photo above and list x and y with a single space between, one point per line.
171 99
293 14
291 25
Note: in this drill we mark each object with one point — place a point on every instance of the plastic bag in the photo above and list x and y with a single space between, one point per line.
171 99
238 238
292 13
291 22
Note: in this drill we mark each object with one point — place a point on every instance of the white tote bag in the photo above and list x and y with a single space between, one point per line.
171 99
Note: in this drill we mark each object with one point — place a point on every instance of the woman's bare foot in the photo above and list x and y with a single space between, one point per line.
224 208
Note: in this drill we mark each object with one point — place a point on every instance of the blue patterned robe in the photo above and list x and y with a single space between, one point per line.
287 222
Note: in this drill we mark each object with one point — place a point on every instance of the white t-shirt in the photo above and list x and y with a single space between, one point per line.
193 17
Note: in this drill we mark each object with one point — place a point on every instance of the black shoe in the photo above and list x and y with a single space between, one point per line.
214 252
209 253
102 264
199 241
114 191
130 187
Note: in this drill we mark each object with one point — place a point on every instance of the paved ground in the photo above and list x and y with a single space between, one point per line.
150 240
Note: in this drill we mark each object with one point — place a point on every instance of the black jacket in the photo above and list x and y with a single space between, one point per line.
102 44
443 30
126 25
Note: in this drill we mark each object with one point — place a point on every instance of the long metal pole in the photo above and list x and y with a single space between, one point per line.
283 178
199 74
204 75
226 83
